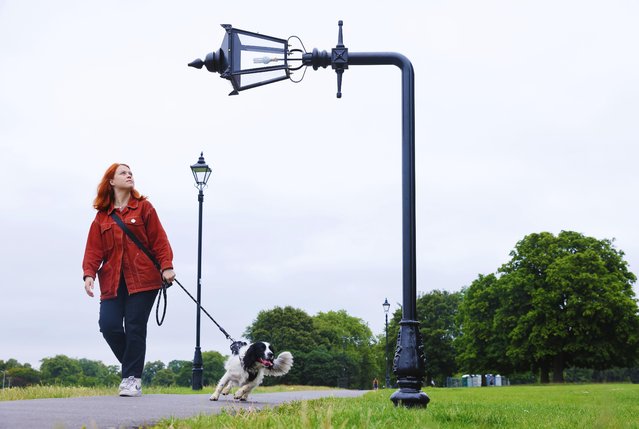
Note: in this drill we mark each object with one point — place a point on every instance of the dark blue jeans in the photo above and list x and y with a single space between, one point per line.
123 323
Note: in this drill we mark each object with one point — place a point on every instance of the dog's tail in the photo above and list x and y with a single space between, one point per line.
281 365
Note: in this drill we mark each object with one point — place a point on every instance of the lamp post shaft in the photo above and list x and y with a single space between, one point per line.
196 380
409 362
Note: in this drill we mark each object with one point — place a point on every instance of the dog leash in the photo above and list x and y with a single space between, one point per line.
228 337
235 344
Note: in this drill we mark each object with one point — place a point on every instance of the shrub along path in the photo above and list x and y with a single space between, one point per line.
116 412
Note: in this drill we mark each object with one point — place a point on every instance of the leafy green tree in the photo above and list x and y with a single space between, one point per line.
60 370
437 311
285 328
149 371
330 348
583 311
288 329
22 376
164 377
213 363
18 375
11 363
350 341
322 369
183 370
483 345
96 373
336 329
561 301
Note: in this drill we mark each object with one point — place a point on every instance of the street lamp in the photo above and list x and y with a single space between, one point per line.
201 173
249 60
386 306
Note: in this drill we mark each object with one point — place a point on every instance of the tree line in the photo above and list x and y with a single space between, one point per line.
562 308
330 349
62 370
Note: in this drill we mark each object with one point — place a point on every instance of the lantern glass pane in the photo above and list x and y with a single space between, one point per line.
253 78
259 44
201 174
256 53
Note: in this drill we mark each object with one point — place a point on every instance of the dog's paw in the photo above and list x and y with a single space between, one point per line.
214 397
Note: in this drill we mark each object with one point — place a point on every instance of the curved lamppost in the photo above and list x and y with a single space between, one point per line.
250 60
201 173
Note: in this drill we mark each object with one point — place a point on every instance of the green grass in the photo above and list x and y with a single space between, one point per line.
550 406
554 406
39 392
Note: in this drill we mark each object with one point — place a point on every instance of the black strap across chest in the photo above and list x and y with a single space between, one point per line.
135 239
146 251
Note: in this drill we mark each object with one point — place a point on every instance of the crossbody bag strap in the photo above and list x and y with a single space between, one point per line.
143 248
135 239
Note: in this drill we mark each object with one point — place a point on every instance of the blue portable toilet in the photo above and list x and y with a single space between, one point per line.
465 380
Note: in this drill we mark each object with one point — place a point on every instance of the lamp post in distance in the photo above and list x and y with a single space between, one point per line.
201 173
386 307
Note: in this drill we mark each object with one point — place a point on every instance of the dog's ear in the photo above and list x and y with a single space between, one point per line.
251 355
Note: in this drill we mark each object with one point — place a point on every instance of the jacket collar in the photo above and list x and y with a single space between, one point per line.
132 204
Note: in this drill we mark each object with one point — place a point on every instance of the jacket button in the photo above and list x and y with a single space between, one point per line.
132 220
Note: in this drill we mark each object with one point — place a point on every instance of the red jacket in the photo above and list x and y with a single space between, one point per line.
109 250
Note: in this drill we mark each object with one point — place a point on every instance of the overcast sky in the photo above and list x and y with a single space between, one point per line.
526 121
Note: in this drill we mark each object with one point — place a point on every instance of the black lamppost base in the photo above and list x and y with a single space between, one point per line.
196 377
408 366
410 398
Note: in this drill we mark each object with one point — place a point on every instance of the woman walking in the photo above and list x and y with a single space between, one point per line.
128 279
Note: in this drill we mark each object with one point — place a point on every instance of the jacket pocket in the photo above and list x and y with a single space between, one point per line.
136 226
106 232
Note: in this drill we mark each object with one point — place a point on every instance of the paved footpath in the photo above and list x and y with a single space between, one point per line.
106 412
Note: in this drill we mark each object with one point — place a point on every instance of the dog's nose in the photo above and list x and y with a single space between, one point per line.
269 355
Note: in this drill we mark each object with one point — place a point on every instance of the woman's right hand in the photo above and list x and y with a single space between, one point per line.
88 285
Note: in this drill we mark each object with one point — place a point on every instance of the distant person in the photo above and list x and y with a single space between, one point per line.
129 280
375 384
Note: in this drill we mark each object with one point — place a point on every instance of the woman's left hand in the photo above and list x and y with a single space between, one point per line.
168 276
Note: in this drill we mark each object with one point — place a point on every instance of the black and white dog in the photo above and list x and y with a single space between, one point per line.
247 367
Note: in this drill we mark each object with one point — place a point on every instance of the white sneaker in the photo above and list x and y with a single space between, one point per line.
131 387
124 383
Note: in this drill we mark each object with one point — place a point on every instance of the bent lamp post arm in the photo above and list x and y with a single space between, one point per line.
409 360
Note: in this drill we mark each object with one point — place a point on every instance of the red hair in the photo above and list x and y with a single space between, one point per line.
106 196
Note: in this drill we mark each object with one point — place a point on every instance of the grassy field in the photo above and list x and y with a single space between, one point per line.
38 392
553 406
